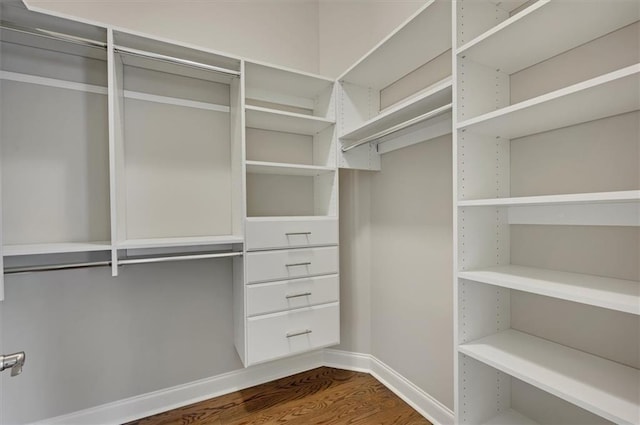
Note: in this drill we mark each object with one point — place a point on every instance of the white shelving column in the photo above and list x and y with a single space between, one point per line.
288 301
546 141
54 159
176 151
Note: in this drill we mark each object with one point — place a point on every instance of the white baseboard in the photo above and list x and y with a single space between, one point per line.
172 398
182 395
422 402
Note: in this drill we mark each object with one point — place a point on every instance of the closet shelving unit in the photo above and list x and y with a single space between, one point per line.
288 299
400 91
117 148
177 161
538 87
54 160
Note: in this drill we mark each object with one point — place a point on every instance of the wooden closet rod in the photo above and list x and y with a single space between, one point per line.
401 126
145 260
52 35
171 59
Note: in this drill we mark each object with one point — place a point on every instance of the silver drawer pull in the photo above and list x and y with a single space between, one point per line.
297 233
304 332
305 294
308 263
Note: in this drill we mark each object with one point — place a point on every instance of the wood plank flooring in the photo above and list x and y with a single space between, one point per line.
320 396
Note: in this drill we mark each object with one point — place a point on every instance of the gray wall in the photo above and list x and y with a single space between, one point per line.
91 338
396 251
411 291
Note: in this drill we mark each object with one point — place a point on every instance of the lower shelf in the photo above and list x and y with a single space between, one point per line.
510 417
615 294
603 387
180 242
54 248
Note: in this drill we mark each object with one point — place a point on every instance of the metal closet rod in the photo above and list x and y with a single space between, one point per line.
420 118
171 59
52 35
146 260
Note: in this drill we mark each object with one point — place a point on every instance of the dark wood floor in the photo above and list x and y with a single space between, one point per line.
319 396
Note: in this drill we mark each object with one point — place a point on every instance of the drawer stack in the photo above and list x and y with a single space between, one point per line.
291 287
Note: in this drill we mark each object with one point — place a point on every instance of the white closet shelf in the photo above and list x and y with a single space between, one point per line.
283 81
424 36
613 294
293 218
287 122
54 248
128 94
604 96
510 417
603 387
546 29
260 167
574 198
52 82
435 96
179 242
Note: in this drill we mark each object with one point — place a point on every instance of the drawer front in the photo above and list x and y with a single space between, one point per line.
291 263
291 332
272 297
273 234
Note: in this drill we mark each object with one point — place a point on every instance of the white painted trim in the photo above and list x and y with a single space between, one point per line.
163 400
128 94
182 395
418 399
357 362
52 82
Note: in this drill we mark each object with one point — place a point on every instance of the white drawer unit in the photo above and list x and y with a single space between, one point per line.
291 263
283 334
290 233
263 298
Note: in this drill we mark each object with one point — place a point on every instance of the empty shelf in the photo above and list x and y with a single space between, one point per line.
288 122
545 29
603 387
615 294
604 96
431 98
574 198
178 242
510 417
54 248
424 36
260 77
259 167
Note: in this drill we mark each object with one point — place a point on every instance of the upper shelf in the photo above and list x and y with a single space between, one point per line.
614 294
604 96
603 387
429 99
424 36
261 167
262 77
288 122
545 29
574 198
